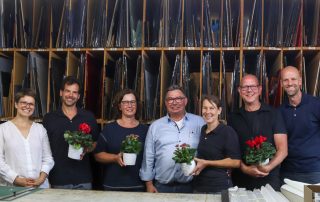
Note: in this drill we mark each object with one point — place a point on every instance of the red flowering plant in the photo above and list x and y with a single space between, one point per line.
258 150
184 154
80 138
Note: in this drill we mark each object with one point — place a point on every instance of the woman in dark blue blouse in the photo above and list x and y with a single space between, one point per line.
118 176
218 150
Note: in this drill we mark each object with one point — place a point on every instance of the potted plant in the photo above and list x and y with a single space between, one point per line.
78 141
130 147
184 155
259 151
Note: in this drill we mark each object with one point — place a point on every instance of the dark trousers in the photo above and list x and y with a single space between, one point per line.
311 177
174 187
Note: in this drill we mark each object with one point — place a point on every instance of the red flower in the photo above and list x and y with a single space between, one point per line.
251 143
184 145
258 150
85 128
259 140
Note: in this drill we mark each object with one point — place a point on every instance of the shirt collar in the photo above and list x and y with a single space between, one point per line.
304 100
186 117
216 130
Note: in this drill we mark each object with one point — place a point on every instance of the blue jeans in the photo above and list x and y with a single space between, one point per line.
174 187
311 178
83 186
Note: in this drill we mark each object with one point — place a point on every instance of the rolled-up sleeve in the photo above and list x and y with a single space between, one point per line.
47 159
147 171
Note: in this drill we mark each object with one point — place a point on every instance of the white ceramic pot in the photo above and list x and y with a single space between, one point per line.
129 159
188 168
74 153
263 163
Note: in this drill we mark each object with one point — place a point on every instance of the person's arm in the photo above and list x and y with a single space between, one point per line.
47 159
147 172
150 187
101 153
281 143
23 182
252 170
94 132
39 181
6 172
104 157
223 163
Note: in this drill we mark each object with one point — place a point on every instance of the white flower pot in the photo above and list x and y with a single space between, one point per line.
129 159
188 168
74 153
263 163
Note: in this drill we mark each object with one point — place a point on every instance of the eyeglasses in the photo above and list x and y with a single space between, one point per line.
127 102
25 104
246 88
170 100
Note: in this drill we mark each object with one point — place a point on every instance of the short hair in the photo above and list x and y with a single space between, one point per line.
70 80
175 87
24 92
251 75
212 99
117 101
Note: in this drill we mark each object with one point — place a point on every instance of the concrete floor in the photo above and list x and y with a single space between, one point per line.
63 195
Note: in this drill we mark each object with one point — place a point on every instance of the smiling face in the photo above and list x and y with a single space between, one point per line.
176 102
70 95
210 111
249 89
291 81
128 105
25 106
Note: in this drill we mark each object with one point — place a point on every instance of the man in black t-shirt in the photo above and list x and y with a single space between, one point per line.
255 119
68 173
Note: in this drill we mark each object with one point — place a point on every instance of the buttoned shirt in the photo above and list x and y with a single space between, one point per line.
162 137
24 156
303 126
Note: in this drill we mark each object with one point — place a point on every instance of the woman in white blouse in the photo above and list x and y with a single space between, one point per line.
25 155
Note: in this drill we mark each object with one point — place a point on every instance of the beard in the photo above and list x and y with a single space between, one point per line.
292 92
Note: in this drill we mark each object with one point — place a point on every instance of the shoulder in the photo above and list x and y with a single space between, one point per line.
161 121
223 128
266 107
195 119
193 116
235 114
110 126
38 127
235 118
51 117
312 99
269 109
143 126
53 114
5 126
86 113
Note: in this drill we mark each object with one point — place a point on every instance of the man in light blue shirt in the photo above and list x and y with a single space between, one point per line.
159 170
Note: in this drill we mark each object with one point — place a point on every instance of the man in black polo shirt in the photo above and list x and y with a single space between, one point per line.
254 119
69 173
301 114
